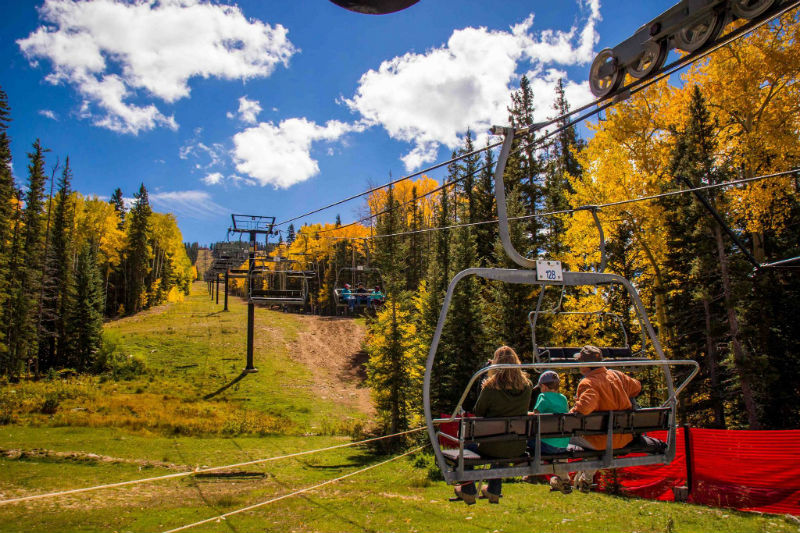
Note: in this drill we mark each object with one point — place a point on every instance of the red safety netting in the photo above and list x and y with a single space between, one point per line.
746 470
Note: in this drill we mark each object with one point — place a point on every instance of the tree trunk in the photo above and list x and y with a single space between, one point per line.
713 368
658 293
739 351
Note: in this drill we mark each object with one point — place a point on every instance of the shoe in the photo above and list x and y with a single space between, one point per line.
469 499
492 497
582 483
558 484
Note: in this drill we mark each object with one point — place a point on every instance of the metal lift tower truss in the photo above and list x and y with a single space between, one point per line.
253 226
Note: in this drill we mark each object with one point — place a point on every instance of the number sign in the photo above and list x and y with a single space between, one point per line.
549 271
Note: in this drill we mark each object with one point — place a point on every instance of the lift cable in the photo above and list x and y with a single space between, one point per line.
627 91
391 183
202 470
295 493
598 206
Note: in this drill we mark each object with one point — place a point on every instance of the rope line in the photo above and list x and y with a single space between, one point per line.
626 91
200 470
295 493
583 208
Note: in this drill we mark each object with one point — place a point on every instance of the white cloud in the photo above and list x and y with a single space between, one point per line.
113 51
48 113
191 204
543 85
248 111
205 156
281 155
213 178
431 99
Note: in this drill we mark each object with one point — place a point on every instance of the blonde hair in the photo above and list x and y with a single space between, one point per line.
506 378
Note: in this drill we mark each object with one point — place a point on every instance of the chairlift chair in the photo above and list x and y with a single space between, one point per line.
279 285
370 277
453 459
561 354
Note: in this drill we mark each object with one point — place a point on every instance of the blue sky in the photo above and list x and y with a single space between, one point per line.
275 107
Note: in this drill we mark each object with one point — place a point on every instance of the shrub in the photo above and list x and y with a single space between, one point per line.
50 404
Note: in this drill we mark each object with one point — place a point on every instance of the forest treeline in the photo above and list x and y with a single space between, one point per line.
67 262
736 115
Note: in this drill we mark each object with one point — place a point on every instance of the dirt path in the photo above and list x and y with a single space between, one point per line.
331 348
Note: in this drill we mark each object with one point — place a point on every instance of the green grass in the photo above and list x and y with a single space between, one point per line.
193 354
190 350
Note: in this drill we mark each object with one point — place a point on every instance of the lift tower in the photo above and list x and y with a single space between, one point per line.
252 225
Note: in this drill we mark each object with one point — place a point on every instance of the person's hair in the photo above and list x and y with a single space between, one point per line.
589 353
506 378
552 386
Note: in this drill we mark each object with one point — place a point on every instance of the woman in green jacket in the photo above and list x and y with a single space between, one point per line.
505 392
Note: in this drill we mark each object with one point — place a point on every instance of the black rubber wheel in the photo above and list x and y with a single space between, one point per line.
699 32
749 9
375 7
605 75
651 60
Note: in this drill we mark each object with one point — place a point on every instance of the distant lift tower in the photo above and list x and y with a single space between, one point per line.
253 225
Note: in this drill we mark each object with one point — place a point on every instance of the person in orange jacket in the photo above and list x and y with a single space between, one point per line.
600 389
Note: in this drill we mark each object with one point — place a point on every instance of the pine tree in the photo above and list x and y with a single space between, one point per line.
7 191
24 321
58 277
509 303
698 242
11 362
468 173
414 268
523 169
290 235
393 374
486 234
560 164
85 317
116 279
119 206
138 253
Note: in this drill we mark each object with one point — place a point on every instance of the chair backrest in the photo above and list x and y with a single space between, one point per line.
566 353
563 425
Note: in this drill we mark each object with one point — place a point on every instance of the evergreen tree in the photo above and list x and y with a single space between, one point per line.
414 265
486 234
290 234
22 333
509 304
394 373
119 206
523 169
11 362
468 173
138 252
85 318
116 279
711 300
58 277
561 164
7 191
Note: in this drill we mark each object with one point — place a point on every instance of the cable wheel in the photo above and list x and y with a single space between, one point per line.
749 9
605 76
651 60
699 32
